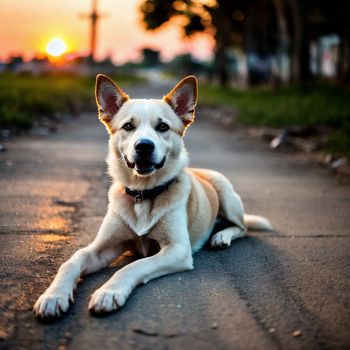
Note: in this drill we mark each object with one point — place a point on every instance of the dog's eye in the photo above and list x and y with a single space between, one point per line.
162 127
128 127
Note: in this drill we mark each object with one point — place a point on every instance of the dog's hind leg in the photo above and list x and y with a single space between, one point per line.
230 209
232 212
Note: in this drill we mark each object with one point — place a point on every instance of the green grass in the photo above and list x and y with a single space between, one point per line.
315 106
24 98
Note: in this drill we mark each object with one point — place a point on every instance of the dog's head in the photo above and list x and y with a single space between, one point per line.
146 134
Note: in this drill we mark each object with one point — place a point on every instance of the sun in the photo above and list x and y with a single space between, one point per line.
56 47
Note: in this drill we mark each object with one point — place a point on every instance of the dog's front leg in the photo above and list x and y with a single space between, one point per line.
175 255
97 255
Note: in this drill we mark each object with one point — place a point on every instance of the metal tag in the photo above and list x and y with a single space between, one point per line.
138 199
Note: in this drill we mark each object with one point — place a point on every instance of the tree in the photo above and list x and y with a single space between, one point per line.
332 17
150 57
214 17
225 20
311 19
264 28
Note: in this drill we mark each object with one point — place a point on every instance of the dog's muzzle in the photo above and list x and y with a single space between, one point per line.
144 166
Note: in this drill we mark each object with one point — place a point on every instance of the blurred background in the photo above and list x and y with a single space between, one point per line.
283 65
274 98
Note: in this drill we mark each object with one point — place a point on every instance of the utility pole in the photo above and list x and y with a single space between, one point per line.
94 17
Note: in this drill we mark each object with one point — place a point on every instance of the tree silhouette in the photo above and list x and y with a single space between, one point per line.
263 27
197 17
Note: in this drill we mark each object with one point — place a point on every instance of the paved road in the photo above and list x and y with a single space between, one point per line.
253 295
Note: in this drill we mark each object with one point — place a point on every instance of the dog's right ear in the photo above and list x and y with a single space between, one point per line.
109 99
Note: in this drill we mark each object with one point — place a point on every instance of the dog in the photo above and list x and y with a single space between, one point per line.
159 209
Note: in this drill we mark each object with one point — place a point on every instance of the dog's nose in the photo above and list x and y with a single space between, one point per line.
144 146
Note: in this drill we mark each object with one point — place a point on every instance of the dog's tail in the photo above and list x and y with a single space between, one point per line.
255 222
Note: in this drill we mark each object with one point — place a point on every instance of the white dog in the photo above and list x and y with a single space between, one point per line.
158 208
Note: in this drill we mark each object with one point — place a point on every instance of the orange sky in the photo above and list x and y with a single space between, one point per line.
27 25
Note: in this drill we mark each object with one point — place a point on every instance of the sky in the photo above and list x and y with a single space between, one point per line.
26 26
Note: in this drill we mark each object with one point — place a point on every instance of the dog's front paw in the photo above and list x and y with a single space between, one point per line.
106 300
53 304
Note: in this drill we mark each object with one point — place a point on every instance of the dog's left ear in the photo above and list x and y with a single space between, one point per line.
109 99
183 99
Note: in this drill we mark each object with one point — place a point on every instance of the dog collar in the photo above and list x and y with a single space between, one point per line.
152 193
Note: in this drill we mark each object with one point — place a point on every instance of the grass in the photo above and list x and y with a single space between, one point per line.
315 106
24 98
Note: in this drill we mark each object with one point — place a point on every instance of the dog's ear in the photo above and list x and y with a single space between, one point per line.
183 99
109 99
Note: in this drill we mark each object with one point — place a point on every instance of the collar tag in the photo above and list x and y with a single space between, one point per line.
138 198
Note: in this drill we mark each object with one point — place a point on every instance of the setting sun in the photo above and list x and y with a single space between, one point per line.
56 47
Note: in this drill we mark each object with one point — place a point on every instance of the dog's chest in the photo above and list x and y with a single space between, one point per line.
144 218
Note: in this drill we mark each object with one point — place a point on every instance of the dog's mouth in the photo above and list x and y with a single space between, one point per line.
144 166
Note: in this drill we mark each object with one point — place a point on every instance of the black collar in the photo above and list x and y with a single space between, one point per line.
152 193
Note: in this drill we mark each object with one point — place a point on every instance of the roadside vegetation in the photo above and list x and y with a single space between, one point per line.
25 98
320 106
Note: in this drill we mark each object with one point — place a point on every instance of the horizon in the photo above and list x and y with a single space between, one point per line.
22 34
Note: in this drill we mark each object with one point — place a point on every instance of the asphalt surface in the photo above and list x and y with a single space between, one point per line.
284 290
